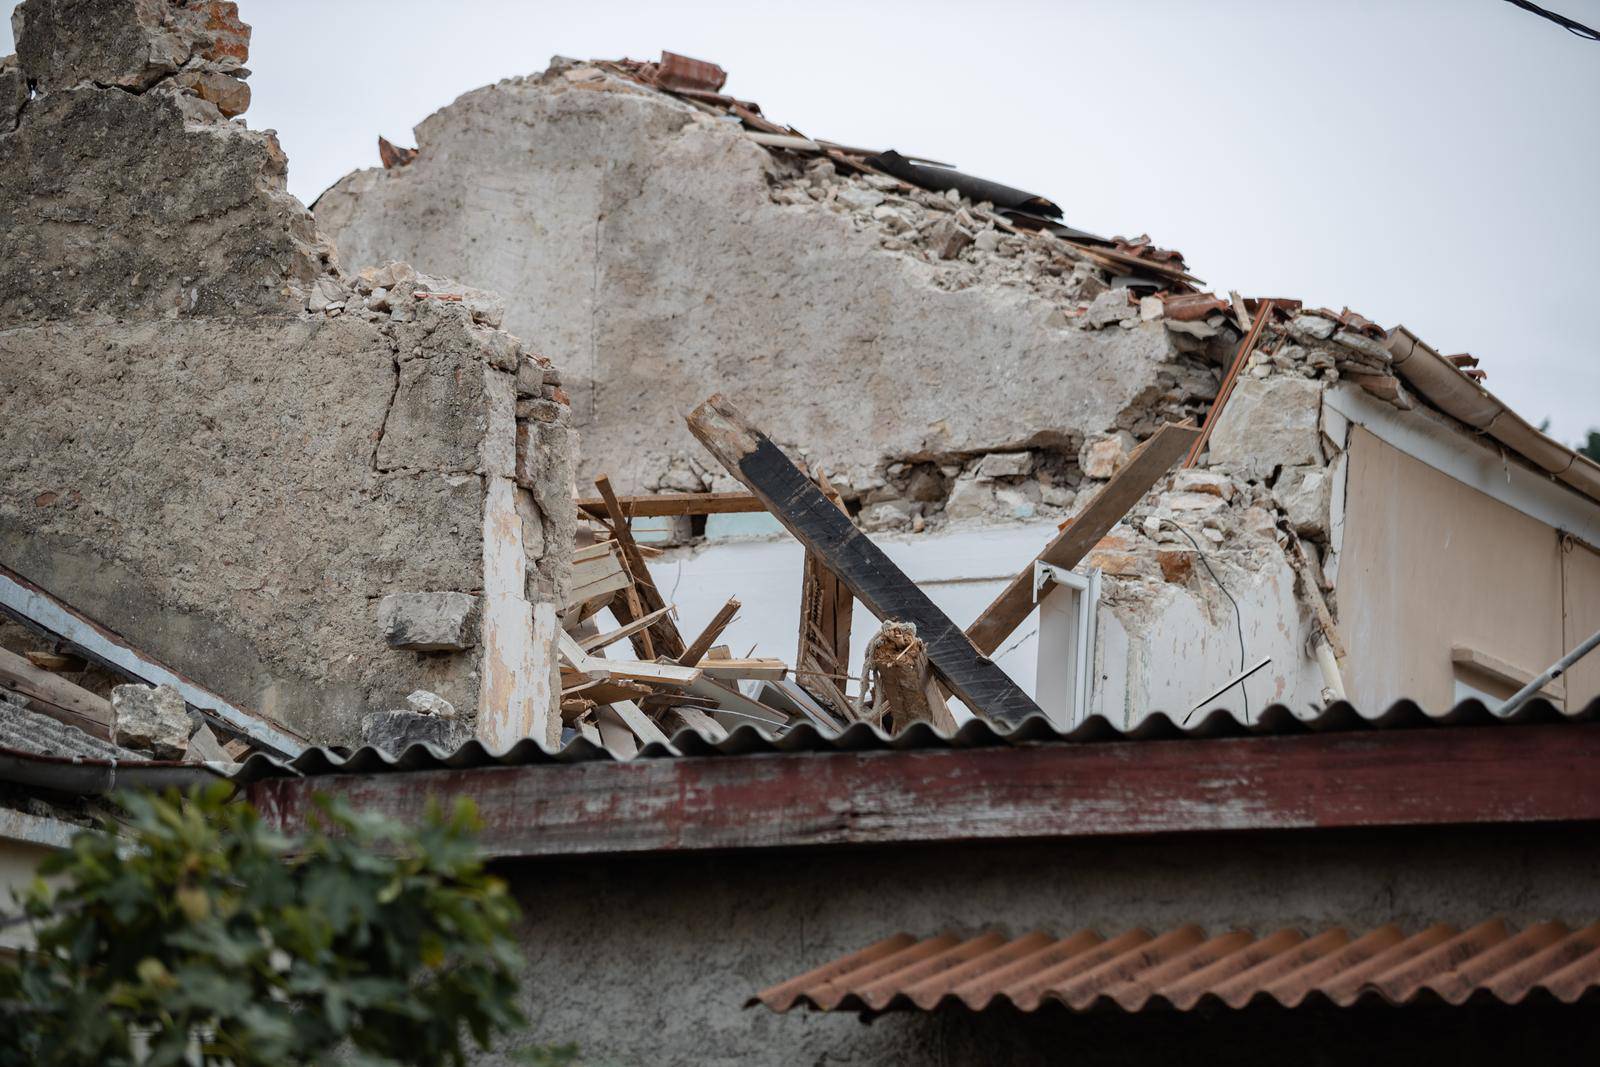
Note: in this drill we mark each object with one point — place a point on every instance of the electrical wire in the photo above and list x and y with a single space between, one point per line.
1238 619
1577 29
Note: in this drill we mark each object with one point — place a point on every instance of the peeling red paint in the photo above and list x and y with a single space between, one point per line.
1402 777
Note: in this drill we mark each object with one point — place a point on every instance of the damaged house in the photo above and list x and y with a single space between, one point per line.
984 654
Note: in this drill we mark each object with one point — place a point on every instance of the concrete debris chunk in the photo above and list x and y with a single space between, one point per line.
425 703
1005 465
1314 327
1109 308
1360 342
13 92
128 44
1304 494
1102 457
396 731
1199 481
151 719
429 622
1190 501
1269 423
969 498
948 239
230 95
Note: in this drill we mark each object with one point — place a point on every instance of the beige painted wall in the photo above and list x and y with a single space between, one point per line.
1428 564
1580 569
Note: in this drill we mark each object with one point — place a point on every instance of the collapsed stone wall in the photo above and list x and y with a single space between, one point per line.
217 443
934 365
1223 565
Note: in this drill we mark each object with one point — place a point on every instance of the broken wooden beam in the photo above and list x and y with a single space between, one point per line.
664 636
57 697
596 642
904 689
862 566
1067 549
658 505
701 645
823 656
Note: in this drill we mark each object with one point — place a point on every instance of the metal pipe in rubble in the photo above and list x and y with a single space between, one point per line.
1560 667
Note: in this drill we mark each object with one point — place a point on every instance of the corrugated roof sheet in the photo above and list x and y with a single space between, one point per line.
1187 967
1036 730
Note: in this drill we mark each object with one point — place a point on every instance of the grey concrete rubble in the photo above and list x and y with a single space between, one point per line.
429 622
396 731
151 718
322 440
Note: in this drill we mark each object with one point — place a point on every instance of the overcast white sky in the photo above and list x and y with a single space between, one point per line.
1435 164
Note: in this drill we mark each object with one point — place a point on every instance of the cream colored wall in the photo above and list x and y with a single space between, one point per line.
1580 569
1428 563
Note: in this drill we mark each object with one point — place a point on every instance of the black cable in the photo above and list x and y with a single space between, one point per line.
1577 29
1238 620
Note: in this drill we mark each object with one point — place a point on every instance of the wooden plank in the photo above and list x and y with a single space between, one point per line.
596 642
701 645
645 730
1430 776
614 733
663 634
735 669
700 722
596 576
86 711
1067 549
823 656
657 505
870 575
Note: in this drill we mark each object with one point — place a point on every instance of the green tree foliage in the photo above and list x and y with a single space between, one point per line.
199 936
1591 446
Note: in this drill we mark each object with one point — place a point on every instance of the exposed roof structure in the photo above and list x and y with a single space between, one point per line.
1186 968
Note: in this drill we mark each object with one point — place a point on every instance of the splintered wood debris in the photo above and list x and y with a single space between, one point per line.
636 680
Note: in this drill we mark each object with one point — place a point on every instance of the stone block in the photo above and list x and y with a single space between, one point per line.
425 703
1005 465
969 499
152 719
1198 481
1102 457
1269 423
1304 496
1177 565
396 731
429 622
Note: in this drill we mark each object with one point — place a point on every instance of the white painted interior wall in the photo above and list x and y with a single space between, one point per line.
961 569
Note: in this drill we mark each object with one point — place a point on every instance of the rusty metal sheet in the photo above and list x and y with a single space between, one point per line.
1187 967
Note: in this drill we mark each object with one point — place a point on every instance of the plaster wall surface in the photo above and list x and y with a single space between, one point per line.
218 445
649 960
212 490
639 241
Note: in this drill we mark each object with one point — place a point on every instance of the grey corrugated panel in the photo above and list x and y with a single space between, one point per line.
860 737
1185 967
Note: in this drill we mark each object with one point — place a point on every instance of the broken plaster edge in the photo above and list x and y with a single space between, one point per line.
516 699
